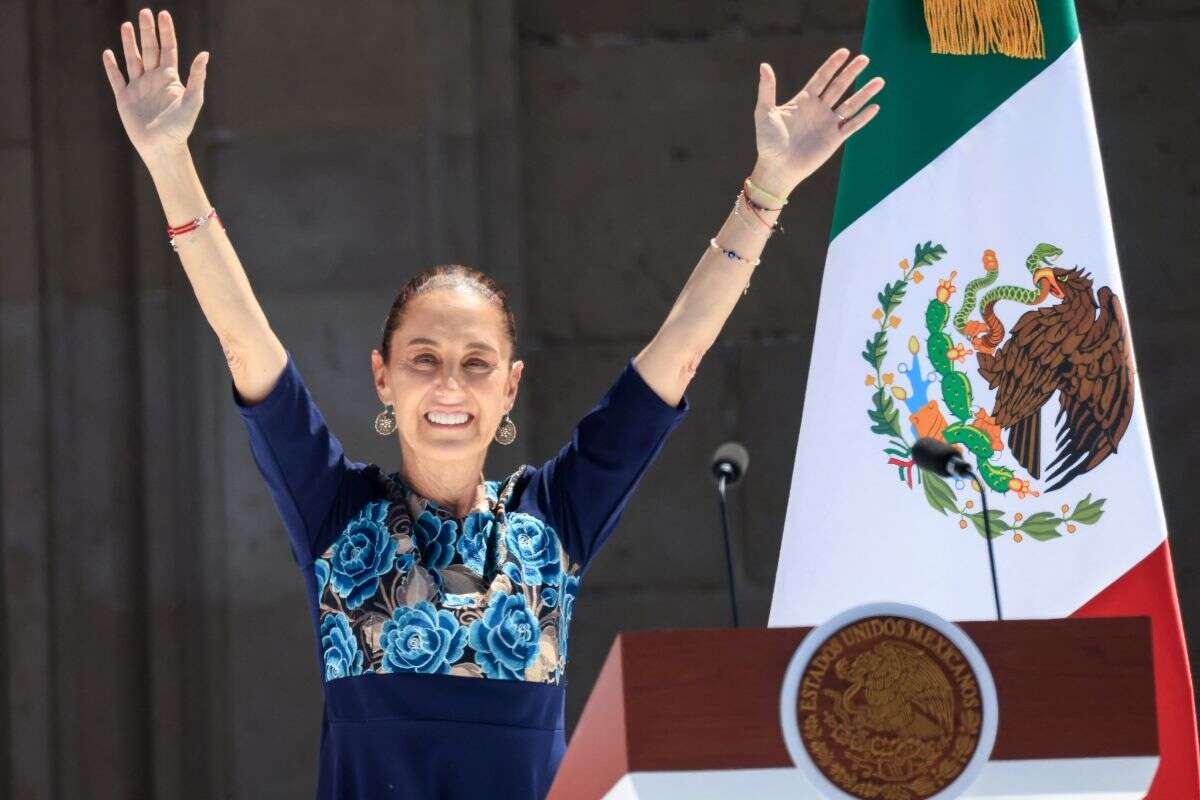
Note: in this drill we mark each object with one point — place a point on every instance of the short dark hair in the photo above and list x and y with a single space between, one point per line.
449 275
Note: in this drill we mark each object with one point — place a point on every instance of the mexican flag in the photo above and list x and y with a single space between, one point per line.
972 293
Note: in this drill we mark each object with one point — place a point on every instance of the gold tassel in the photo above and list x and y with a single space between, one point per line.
975 27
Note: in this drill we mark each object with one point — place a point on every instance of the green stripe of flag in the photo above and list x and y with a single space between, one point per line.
929 100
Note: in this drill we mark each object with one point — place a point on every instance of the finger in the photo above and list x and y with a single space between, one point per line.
857 100
820 79
193 93
149 39
115 79
766 86
837 87
133 58
170 46
858 120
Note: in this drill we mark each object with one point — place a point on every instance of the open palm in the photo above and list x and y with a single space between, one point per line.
157 110
796 138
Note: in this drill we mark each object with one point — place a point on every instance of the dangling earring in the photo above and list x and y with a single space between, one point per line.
385 421
507 432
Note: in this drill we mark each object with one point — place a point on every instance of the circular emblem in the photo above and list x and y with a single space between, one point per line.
888 702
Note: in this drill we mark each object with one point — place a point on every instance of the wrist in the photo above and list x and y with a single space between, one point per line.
167 160
771 181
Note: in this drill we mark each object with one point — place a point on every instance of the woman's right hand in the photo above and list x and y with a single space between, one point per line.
158 111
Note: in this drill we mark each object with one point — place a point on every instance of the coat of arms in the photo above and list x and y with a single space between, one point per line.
1072 345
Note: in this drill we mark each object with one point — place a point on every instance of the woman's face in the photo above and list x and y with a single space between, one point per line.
449 355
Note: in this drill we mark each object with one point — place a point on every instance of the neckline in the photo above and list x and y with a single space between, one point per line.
416 502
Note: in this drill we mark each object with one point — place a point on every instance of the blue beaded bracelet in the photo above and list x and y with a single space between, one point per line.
732 254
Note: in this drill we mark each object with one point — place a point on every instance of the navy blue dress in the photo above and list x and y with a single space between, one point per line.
442 642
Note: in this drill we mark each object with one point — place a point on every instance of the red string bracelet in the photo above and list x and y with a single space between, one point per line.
194 223
191 225
755 208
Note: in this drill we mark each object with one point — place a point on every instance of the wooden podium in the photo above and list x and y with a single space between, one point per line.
695 714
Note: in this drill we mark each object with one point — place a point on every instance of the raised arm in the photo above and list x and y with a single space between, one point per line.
793 140
158 113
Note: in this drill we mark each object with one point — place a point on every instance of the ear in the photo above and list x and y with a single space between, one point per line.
514 378
379 377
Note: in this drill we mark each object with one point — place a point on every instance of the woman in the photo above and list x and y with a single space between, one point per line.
442 600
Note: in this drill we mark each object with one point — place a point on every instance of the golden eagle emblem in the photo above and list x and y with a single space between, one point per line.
889 708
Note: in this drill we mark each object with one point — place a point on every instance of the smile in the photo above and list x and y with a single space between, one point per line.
438 420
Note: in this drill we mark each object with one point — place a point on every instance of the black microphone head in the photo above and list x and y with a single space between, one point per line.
731 460
935 456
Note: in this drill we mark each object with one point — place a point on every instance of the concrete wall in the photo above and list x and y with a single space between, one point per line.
581 153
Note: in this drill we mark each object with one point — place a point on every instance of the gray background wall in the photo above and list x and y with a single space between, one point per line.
154 631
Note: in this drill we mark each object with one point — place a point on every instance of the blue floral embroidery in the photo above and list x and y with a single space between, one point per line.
570 588
321 568
363 552
472 545
536 548
421 638
505 639
342 656
427 633
435 537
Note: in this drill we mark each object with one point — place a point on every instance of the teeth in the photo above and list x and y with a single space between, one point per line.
447 419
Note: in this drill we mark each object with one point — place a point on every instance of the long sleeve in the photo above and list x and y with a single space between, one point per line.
583 489
305 468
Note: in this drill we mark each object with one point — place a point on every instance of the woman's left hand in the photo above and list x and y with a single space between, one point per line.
796 138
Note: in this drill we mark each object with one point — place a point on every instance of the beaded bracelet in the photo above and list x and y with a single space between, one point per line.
771 227
732 254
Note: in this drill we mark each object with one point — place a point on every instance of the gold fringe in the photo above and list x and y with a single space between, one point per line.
976 27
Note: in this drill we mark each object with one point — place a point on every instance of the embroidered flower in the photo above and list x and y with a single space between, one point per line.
363 552
472 545
421 638
435 537
535 545
321 568
569 590
342 656
505 639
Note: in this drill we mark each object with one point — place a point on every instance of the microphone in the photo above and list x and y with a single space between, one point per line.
731 460
729 464
942 459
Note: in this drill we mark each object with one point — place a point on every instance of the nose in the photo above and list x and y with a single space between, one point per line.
449 379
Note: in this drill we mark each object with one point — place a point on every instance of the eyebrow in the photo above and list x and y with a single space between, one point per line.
479 345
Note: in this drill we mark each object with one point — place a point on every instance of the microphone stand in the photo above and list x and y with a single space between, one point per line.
987 534
721 479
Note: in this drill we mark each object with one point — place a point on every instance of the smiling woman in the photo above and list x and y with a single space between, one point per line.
427 579
441 600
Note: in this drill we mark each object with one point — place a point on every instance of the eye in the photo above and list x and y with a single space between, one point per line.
479 362
424 359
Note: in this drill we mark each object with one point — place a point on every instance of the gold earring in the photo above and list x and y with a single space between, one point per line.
507 432
385 421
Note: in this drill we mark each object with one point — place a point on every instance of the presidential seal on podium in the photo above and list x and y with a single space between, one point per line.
889 702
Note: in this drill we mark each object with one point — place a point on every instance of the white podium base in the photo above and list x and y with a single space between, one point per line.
1049 779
